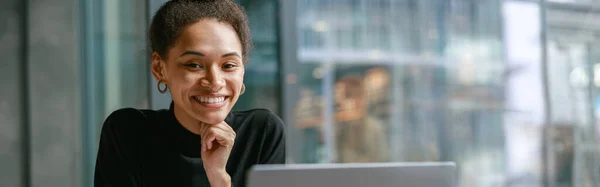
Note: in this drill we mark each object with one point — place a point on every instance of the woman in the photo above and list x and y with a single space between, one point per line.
199 51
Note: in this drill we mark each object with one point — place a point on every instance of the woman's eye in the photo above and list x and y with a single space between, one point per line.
194 65
228 66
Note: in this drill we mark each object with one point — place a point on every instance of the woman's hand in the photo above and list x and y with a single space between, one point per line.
217 141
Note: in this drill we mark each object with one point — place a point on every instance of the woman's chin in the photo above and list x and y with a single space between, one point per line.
212 117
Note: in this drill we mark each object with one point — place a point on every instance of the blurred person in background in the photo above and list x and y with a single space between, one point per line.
360 135
199 52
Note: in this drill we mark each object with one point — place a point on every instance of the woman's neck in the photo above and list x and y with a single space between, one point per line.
187 121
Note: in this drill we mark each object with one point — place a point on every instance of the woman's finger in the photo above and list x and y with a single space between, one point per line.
209 141
221 132
230 133
203 128
222 137
210 135
225 127
226 138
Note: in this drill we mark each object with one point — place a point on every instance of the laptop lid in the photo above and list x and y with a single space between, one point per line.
354 175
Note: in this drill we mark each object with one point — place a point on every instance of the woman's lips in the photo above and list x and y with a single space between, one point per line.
211 101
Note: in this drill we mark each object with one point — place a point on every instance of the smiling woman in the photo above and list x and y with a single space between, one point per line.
199 52
204 63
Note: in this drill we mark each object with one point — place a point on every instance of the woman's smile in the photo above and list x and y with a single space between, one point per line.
211 101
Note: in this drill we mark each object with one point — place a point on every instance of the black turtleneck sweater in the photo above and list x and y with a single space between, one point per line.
151 148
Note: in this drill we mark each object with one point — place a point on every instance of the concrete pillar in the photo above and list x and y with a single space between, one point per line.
54 92
11 111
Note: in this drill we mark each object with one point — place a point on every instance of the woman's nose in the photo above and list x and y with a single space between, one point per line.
213 80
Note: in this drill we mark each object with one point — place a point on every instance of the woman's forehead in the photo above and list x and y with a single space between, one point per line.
209 35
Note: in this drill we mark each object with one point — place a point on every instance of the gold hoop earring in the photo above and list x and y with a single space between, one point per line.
243 89
164 90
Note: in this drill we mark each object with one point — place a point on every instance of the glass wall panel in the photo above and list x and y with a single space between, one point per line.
572 154
402 80
116 66
262 72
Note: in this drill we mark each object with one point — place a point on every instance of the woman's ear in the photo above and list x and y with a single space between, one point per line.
158 67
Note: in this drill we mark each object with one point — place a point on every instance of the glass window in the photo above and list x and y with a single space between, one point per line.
261 77
571 151
460 80
401 81
116 66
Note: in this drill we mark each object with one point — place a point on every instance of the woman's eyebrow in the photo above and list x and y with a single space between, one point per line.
231 54
192 53
200 54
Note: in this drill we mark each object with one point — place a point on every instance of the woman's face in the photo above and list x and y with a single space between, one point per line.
204 70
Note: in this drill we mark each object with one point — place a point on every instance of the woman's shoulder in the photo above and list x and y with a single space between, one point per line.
126 119
128 114
258 116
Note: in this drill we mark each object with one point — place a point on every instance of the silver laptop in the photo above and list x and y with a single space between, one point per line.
354 175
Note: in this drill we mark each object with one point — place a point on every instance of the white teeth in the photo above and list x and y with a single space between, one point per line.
210 99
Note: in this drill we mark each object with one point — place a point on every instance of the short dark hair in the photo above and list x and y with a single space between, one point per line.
173 16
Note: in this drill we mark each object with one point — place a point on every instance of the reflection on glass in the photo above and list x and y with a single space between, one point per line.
360 132
412 81
460 80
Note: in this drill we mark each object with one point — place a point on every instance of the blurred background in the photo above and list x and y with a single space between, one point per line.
507 89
